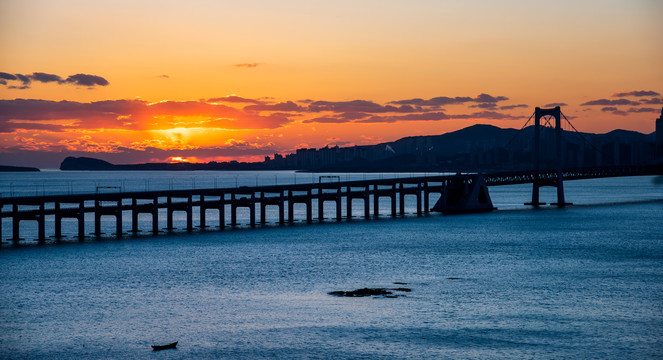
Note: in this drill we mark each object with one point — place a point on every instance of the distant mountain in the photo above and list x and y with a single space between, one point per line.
475 148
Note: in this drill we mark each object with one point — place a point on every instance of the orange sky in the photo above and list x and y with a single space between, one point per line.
216 80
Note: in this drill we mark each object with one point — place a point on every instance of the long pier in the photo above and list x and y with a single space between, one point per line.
455 193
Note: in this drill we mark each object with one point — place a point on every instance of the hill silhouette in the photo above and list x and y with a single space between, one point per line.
475 148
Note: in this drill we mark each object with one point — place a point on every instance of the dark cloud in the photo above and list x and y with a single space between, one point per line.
247 65
339 143
436 101
7 76
485 105
509 107
613 110
164 76
26 80
87 80
357 106
608 102
234 99
488 115
338 119
444 100
131 114
552 105
353 115
45 78
437 116
652 101
642 110
284 106
326 120
14 113
636 93
485 98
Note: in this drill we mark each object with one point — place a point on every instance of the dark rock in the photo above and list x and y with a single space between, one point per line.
361 292
402 289
378 292
400 283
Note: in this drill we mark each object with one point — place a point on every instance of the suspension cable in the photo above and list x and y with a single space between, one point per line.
518 133
580 134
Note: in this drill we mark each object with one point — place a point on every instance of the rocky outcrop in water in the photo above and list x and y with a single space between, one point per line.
378 292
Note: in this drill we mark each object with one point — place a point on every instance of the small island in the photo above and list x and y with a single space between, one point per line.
7 168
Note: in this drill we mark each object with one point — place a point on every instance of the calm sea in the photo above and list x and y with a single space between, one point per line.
582 282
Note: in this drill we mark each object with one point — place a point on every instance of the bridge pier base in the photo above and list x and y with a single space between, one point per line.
462 196
535 196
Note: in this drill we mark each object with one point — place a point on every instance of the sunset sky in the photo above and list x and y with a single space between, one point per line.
138 81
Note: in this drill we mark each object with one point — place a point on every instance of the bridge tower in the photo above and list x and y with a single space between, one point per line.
558 182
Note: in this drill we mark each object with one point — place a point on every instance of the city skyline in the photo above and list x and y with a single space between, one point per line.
165 81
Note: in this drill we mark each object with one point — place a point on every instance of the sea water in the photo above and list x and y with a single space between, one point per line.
585 281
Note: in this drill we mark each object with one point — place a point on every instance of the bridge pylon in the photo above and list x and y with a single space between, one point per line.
556 113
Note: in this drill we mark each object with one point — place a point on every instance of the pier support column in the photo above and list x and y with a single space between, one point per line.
189 213
222 211
58 222
339 202
426 198
252 209
169 214
155 215
321 205
42 223
15 224
81 221
348 208
118 219
402 199
134 216
367 202
419 199
291 207
233 210
263 209
281 208
393 201
97 218
203 222
376 201
309 206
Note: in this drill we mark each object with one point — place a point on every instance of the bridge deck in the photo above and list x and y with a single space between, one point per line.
114 204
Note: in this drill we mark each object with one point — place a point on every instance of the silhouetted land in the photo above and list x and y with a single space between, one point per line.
475 148
7 168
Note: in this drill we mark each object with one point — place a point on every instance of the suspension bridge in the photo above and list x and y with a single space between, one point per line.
458 193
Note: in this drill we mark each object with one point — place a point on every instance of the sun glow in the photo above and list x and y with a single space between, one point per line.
178 159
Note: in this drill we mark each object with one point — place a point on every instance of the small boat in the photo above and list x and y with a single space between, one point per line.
164 347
